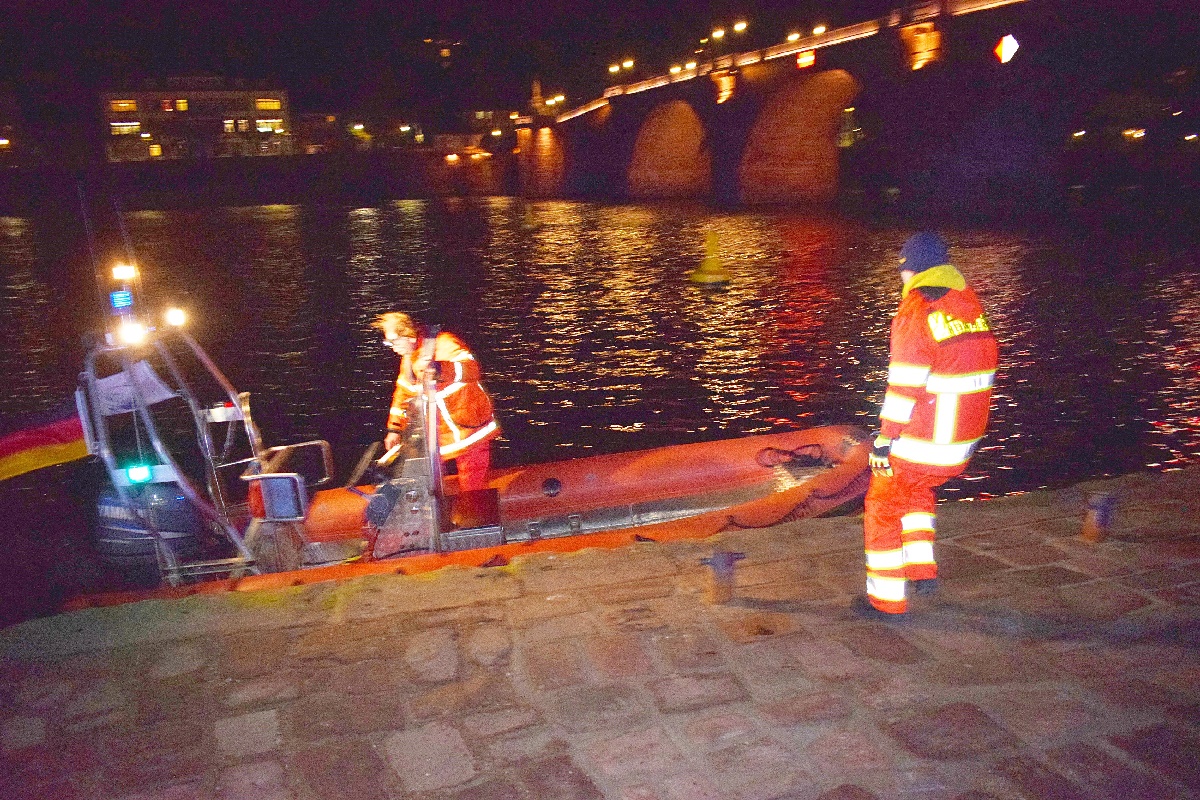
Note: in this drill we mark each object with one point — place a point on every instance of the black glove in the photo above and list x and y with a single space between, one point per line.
881 450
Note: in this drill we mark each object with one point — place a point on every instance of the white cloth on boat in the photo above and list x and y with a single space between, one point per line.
116 392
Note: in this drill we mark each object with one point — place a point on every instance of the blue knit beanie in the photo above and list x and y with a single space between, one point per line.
922 251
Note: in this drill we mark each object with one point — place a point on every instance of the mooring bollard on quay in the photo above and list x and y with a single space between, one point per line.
1098 519
720 582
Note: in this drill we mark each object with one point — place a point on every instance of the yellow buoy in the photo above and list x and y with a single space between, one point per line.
710 269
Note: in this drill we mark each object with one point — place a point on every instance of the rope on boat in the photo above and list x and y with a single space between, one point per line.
810 455
802 510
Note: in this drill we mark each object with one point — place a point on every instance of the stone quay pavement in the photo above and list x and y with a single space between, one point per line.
1046 667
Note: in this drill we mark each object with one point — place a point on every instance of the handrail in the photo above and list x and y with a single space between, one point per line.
847 33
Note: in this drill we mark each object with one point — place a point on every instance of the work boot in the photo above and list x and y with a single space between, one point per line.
861 607
926 586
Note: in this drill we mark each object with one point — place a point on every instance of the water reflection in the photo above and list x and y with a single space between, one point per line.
593 340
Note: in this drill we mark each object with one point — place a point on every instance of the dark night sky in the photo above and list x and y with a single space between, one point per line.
335 54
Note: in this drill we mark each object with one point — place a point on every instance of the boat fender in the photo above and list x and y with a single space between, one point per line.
551 487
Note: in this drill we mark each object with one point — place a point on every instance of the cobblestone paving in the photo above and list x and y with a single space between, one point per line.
1047 667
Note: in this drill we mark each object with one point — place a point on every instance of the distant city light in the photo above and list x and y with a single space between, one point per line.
793 36
806 58
558 98
614 68
513 115
497 132
176 316
1191 137
451 158
818 30
738 27
1134 133
1006 49
627 63
358 126
1079 134
690 65
405 128
676 69
551 101
719 33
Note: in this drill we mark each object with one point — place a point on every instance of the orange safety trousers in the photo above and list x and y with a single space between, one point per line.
473 465
898 531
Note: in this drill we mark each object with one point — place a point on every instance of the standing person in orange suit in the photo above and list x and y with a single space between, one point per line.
942 365
466 424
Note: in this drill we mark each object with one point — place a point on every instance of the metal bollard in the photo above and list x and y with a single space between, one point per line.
720 584
1099 517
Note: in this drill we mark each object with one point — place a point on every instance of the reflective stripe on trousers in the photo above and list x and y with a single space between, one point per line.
898 532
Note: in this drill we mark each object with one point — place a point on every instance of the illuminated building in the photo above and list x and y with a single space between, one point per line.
196 118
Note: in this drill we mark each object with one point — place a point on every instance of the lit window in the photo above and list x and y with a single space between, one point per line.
268 104
806 58
1134 133
181 104
124 128
229 126
4 143
156 151
122 105
480 114
268 125
243 125
166 105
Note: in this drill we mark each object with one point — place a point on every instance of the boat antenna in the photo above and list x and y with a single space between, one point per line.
124 231
91 243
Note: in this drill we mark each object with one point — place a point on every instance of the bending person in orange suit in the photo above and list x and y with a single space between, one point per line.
466 424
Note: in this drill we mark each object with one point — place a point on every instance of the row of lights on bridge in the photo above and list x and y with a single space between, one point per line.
718 34
1005 49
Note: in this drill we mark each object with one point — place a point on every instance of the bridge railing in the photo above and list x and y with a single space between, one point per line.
919 12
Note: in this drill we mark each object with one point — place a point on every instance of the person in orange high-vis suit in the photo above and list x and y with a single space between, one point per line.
466 424
941 369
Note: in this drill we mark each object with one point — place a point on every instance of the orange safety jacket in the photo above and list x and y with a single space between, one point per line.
940 375
465 416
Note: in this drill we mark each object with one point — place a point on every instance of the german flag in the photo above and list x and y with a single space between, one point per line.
43 440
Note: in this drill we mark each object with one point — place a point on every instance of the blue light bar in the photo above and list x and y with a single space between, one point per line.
121 299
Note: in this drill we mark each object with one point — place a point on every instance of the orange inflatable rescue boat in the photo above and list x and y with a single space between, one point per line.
214 509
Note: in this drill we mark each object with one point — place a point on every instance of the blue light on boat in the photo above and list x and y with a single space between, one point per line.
121 299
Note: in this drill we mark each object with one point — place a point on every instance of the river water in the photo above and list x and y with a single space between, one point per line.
593 340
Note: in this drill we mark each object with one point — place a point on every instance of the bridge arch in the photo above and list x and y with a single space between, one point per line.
671 157
791 152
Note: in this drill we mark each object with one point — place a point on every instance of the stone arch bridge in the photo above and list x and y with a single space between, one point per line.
894 100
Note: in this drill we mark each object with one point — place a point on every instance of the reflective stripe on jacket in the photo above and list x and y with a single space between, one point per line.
465 414
940 376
